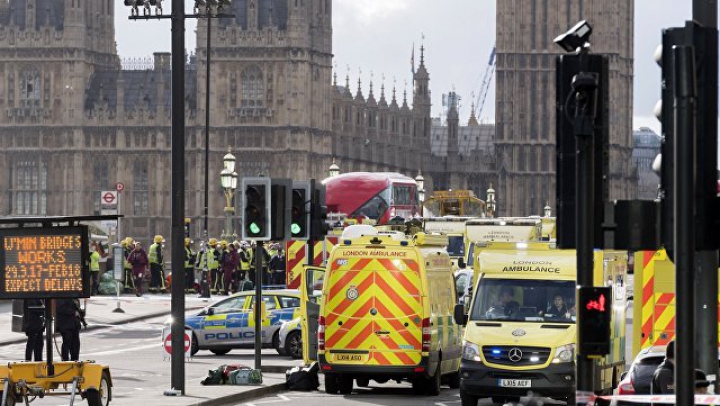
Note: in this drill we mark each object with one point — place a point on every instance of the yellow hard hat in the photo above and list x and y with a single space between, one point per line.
223 244
128 241
158 239
212 242
187 241
124 242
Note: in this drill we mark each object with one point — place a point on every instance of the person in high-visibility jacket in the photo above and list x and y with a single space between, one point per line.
129 284
218 279
244 261
189 267
155 256
213 261
94 269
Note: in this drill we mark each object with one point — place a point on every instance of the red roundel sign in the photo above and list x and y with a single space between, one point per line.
119 186
167 343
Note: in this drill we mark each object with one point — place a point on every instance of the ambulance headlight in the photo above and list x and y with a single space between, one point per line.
564 353
471 352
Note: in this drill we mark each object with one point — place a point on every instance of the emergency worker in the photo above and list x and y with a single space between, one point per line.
189 267
213 262
129 283
139 260
202 268
220 249
94 268
155 256
244 258
269 274
68 322
34 325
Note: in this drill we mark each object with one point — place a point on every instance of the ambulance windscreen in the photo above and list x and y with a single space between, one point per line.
456 246
547 301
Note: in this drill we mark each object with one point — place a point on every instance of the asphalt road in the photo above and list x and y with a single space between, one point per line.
137 360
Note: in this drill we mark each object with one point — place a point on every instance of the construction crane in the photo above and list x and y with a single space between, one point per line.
485 86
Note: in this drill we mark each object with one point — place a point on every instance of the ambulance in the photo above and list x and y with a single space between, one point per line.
520 335
454 228
386 312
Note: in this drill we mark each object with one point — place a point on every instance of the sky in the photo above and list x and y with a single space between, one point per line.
375 38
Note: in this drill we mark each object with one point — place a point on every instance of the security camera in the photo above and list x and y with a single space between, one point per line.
576 38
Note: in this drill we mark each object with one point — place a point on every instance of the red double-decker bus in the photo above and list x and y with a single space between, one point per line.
376 195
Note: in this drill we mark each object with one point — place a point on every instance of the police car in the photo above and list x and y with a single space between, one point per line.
230 323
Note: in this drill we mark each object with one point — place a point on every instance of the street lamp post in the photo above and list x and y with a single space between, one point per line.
202 9
228 180
490 203
420 180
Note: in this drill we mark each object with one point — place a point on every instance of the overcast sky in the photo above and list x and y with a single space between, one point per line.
377 36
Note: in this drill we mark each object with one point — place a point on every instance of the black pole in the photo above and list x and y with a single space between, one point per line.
258 303
49 336
584 129
207 127
705 13
177 304
684 227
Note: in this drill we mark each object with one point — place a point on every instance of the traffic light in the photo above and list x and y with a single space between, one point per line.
301 200
318 226
594 310
568 68
256 209
280 206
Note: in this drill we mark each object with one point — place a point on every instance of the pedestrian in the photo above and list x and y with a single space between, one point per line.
155 257
68 320
269 274
229 264
139 260
202 269
94 268
663 382
701 382
189 267
280 270
129 283
244 257
34 325
219 280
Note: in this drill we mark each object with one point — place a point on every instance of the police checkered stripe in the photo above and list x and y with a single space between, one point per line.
394 294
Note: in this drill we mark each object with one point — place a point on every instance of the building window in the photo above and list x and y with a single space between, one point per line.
31 191
30 89
140 189
252 87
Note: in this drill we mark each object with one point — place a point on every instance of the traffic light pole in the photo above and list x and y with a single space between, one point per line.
258 303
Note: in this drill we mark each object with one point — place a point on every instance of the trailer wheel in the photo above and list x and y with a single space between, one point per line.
100 396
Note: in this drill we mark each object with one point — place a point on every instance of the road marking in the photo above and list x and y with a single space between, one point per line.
281 398
142 347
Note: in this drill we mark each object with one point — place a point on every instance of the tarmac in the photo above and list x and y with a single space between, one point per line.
100 314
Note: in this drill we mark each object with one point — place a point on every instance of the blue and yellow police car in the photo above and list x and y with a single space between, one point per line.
230 323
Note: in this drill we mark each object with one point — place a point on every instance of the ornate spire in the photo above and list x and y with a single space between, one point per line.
382 92
371 96
335 77
472 121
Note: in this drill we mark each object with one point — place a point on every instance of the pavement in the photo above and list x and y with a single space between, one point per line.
100 315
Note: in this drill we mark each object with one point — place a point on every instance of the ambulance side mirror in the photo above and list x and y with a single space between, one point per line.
459 315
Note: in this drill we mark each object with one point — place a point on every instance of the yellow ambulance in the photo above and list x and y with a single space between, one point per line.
386 312
521 333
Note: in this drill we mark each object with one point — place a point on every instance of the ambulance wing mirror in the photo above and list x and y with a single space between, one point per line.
459 315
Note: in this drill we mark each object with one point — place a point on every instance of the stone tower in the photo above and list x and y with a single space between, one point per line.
525 89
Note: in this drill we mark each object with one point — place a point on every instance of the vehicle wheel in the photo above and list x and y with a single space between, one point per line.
433 387
100 396
276 341
468 400
194 347
363 382
419 385
454 380
331 384
345 384
293 345
220 351
571 401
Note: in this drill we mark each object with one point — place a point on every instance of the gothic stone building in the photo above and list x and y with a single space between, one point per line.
74 122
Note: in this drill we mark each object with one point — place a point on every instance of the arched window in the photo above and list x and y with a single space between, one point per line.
252 87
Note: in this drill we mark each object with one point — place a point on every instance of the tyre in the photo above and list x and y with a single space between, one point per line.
276 341
100 396
345 384
433 387
468 400
331 384
418 385
194 347
454 380
293 345
362 382
220 351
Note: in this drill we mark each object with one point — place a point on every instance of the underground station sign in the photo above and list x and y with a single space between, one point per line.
48 262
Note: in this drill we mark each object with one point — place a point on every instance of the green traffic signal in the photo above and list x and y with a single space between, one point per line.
295 228
254 228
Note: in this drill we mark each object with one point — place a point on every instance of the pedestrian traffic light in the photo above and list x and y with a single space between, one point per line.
301 200
280 207
256 209
594 309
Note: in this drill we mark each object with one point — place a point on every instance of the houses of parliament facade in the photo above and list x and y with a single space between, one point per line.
74 120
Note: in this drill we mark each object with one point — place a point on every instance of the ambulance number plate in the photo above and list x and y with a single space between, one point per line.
348 357
514 383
